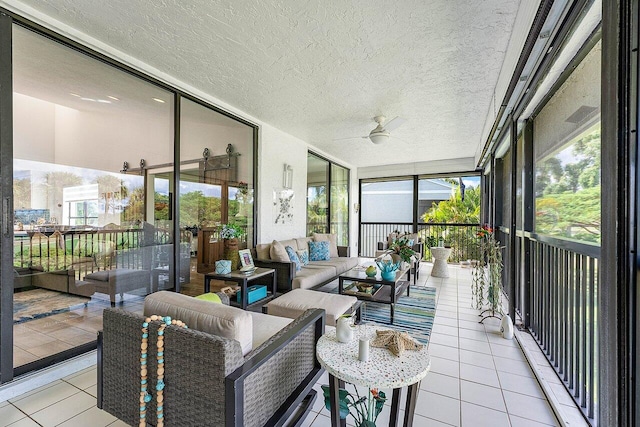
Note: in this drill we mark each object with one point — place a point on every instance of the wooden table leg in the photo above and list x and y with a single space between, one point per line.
395 407
334 396
410 408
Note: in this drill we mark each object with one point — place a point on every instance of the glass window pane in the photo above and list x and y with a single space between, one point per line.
340 203
567 156
440 200
455 201
505 181
387 201
519 172
317 187
76 121
215 190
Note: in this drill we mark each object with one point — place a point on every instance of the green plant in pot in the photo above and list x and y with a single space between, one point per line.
487 274
230 233
401 247
431 241
363 409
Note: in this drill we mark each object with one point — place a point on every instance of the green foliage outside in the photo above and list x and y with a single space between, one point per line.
198 209
54 253
568 196
340 212
463 240
317 212
455 210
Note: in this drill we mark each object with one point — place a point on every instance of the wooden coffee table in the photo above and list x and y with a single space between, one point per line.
388 293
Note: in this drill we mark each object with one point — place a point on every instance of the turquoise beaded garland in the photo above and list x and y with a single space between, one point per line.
145 396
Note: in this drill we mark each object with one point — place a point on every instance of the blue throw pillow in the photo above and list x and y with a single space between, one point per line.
293 257
304 256
319 251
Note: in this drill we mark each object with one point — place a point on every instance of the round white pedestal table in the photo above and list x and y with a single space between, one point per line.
382 370
440 255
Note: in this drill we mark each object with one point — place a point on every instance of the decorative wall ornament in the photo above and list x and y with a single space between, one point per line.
287 176
283 206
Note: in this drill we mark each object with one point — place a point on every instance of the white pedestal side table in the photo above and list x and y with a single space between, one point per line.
382 370
440 268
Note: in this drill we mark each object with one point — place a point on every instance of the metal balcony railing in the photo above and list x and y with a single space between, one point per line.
461 237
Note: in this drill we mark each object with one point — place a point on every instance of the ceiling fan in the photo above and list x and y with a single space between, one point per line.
382 132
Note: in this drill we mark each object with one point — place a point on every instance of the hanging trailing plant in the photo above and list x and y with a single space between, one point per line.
487 273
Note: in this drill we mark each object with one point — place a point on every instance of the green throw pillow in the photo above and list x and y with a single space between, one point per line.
211 297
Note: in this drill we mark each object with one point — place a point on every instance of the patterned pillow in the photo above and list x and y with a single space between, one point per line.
319 251
294 257
304 256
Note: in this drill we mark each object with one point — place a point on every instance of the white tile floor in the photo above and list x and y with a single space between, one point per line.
477 379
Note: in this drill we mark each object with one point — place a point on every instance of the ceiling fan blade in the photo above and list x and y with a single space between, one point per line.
394 123
350 137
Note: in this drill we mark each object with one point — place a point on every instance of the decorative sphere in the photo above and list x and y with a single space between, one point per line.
371 271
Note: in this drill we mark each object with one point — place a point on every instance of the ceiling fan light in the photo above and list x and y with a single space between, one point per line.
379 138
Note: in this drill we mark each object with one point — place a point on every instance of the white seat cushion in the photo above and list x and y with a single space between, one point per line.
204 316
265 326
294 303
310 277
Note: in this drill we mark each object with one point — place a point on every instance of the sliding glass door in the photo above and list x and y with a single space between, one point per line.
86 234
327 198
216 188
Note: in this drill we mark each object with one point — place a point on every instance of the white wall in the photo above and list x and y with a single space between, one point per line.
277 148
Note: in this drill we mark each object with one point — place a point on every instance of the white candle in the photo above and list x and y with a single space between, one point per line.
363 350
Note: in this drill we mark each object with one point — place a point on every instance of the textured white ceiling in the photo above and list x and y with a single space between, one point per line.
322 70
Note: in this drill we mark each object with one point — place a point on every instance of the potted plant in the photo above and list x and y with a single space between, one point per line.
487 274
230 233
363 409
431 241
401 247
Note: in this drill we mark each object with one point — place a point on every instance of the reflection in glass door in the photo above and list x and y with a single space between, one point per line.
340 203
86 236
216 189
317 194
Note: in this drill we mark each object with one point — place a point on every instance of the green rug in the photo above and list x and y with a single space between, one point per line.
413 314
39 303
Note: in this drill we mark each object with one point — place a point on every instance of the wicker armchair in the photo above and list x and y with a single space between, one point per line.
208 381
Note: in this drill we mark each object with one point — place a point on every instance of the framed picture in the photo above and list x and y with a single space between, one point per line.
245 259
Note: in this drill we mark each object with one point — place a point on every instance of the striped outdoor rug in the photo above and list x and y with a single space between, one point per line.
413 314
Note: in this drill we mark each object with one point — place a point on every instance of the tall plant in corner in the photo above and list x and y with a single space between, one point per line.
487 274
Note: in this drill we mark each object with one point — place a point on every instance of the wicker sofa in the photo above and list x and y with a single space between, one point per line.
211 380
313 275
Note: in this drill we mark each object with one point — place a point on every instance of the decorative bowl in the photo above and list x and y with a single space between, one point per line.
388 275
